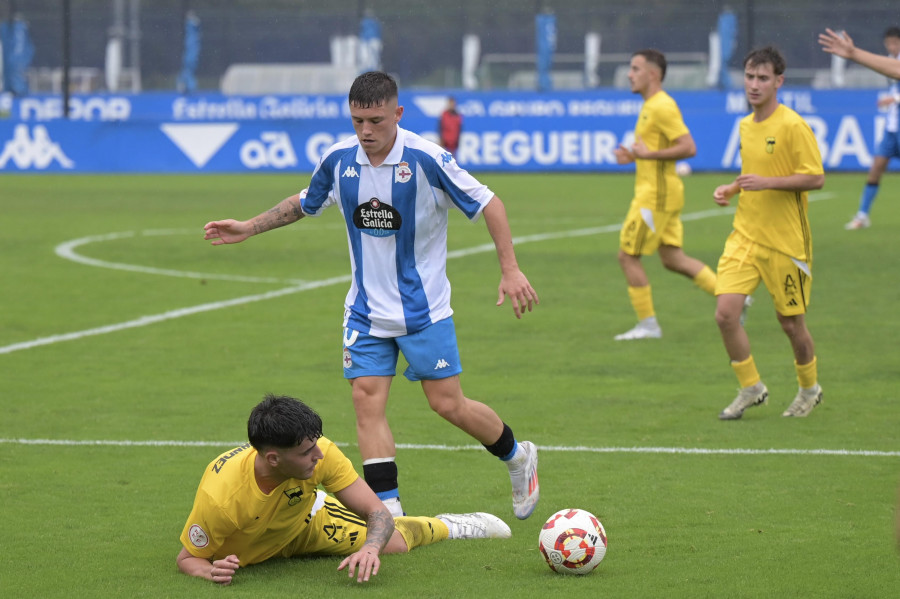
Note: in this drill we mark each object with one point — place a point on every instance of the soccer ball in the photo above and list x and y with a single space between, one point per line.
573 542
682 169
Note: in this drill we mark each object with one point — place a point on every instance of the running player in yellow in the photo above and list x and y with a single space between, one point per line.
653 223
262 500
771 241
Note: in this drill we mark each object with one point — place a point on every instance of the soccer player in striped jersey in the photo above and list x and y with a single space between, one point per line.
653 223
262 500
395 191
771 241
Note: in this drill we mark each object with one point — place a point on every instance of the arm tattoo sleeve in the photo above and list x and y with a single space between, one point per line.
381 527
286 212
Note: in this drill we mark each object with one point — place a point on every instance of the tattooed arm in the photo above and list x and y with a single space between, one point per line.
233 231
361 500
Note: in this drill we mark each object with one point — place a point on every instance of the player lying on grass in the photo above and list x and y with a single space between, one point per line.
261 500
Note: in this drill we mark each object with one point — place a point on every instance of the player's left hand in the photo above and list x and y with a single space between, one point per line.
752 182
364 564
520 293
639 149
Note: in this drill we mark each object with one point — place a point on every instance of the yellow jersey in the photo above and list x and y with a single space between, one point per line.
231 515
659 124
780 146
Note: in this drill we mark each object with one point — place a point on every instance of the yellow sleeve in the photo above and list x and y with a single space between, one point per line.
335 470
206 528
671 123
806 150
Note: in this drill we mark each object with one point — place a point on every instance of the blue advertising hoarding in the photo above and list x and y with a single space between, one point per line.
502 131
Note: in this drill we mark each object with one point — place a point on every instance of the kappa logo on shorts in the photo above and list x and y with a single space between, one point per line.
442 363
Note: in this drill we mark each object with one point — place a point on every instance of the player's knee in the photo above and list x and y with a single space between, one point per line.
727 319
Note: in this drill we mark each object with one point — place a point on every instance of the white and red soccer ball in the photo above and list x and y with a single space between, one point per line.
573 542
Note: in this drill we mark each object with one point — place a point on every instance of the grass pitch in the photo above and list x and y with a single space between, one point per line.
131 353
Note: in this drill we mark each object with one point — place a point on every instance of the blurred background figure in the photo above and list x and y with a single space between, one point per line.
17 52
450 126
187 80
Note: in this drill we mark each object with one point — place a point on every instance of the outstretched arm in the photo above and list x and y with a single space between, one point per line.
220 571
232 231
512 281
841 45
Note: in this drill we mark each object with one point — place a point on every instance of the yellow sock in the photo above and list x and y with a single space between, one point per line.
418 531
706 280
746 372
807 374
641 301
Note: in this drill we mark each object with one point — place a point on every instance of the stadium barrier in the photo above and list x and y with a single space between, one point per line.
502 131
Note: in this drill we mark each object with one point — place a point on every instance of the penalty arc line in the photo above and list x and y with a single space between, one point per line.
66 250
430 447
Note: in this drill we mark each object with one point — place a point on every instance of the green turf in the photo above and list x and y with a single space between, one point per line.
104 520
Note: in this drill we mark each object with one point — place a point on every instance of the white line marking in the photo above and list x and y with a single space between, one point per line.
413 446
170 315
66 250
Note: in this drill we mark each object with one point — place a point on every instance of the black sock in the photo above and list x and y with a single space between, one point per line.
382 477
504 445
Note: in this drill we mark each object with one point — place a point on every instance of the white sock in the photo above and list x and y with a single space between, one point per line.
393 506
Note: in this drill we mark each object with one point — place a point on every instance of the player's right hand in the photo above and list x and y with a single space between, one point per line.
223 569
722 194
226 231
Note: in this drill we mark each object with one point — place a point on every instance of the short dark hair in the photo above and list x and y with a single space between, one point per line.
282 422
656 57
372 89
892 31
768 55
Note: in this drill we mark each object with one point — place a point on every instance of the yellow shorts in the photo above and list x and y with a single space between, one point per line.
332 530
646 229
744 264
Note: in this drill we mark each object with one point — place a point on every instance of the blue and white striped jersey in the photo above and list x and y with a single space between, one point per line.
892 121
396 217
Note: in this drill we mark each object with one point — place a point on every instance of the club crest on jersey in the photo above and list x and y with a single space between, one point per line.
402 173
376 218
770 145
294 495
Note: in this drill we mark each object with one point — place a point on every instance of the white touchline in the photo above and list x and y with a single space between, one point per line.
66 250
414 446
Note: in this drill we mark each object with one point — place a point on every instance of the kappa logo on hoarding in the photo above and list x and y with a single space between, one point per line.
33 149
199 142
